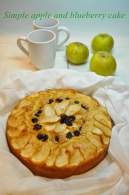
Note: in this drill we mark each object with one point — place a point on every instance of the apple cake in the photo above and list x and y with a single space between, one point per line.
58 133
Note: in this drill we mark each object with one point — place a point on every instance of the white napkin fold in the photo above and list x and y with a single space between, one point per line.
111 176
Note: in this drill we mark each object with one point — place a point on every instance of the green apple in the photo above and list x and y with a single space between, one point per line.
102 42
77 53
103 63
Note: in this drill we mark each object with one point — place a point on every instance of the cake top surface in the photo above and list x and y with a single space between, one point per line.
59 127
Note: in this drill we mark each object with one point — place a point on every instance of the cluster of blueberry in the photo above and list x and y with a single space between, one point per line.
58 100
67 98
35 120
70 134
43 137
64 119
40 136
68 120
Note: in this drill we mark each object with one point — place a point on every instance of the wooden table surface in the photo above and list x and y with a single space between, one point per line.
13 59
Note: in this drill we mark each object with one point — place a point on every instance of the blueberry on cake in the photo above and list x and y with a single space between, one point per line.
58 133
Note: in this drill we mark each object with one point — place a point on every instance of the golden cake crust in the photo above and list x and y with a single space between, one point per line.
58 133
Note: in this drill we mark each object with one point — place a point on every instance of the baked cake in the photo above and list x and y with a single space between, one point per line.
59 132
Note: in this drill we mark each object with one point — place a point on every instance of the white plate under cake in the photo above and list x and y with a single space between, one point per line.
59 132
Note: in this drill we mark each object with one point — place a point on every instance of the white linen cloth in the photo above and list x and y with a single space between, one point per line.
110 177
